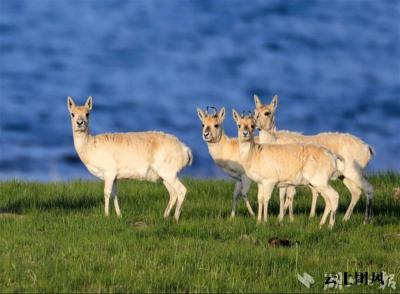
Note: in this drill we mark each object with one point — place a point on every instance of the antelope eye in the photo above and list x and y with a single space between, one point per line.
202 125
216 126
267 113
87 114
238 126
73 114
252 126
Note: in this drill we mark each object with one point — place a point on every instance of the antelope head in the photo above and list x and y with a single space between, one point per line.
79 114
211 122
245 124
264 114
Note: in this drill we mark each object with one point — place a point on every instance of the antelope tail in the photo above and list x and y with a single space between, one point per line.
340 163
189 155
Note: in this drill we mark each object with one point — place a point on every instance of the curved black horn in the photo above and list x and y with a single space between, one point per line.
214 109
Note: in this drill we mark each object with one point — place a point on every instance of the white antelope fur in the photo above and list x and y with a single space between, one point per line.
147 156
287 165
353 150
225 153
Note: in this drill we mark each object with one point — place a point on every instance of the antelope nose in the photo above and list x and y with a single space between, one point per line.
79 123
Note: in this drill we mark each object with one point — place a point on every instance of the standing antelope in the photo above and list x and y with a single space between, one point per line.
147 156
225 153
355 152
287 165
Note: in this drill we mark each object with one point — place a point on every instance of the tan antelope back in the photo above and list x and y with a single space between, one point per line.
147 156
355 152
287 165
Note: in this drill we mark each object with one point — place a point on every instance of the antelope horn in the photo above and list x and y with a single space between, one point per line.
214 110
247 113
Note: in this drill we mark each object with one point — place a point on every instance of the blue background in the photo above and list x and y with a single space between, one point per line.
148 64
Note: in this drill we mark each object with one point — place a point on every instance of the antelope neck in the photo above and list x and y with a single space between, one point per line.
266 136
80 141
245 149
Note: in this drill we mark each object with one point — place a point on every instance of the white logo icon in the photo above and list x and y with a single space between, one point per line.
306 279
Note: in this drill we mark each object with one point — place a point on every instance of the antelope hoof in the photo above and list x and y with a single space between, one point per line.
346 218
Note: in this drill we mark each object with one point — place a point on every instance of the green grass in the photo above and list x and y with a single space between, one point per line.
54 237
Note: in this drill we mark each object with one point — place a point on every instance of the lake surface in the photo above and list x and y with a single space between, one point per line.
148 64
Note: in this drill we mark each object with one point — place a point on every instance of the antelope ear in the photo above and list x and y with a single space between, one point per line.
235 115
70 103
257 101
200 114
221 114
274 102
89 103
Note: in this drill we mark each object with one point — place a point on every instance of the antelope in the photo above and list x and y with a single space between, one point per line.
287 165
355 152
225 153
150 156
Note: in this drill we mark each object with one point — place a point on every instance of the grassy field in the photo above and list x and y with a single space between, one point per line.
54 237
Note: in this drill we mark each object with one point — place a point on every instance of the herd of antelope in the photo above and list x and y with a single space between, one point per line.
274 158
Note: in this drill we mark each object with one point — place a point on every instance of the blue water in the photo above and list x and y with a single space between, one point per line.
149 64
